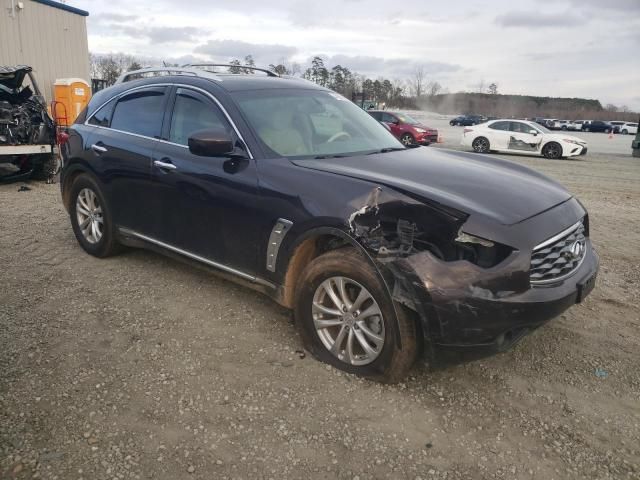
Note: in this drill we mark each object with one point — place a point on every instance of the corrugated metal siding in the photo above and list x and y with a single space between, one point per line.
51 40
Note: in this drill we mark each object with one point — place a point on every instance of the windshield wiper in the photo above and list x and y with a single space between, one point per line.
387 150
320 157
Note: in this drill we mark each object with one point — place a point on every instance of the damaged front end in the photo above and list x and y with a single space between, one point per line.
27 132
466 290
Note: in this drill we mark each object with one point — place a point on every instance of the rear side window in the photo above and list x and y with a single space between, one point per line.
500 126
192 112
388 118
103 115
140 112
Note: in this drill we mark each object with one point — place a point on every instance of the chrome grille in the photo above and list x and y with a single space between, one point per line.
559 256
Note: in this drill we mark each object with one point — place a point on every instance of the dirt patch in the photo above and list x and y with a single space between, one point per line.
141 367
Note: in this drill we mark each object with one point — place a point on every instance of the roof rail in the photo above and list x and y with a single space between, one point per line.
194 72
270 73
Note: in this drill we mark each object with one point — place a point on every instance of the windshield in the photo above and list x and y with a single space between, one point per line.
404 118
312 123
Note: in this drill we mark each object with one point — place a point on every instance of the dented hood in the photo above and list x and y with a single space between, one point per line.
504 191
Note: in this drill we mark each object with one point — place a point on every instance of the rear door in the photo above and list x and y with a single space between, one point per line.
205 206
127 129
498 133
394 124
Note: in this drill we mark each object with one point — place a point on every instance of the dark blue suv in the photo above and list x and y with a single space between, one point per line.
382 251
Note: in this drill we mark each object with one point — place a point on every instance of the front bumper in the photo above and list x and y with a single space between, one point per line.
427 138
462 305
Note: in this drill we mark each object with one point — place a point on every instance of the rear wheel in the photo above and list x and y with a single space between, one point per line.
625 132
481 145
346 318
552 150
91 218
407 139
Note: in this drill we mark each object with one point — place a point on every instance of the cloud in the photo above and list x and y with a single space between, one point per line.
539 20
388 66
112 17
173 34
262 53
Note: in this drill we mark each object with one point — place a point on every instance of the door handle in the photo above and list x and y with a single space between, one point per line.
98 148
164 165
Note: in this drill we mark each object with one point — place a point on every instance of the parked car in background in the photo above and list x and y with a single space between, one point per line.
553 124
405 128
582 124
629 128
520 136
466 120
574 125
564 124
617 125
383 252
597 126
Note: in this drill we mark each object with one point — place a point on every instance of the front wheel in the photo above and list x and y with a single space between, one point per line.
91 218
407 139
481 145
552 150
346 318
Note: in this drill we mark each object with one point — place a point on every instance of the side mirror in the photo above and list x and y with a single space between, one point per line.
533 132
212 142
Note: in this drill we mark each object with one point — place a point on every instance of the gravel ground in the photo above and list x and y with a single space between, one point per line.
139 366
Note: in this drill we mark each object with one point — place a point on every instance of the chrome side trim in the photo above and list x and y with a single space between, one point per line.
181 85
557 237
279 230
193 256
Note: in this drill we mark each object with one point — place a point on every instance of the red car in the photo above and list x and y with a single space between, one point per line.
408 130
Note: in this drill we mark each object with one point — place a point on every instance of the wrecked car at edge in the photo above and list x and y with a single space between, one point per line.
27 132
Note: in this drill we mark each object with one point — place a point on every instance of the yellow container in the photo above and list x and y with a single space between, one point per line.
70 96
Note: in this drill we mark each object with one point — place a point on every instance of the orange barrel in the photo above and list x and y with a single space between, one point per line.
71 95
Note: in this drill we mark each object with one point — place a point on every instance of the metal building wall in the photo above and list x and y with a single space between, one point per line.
51 40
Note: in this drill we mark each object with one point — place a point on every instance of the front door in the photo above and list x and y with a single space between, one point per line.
521 138
206 206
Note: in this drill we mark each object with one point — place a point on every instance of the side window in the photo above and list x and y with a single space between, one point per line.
192 112
376 115
500 126
103 115
520 127
388 118
140 112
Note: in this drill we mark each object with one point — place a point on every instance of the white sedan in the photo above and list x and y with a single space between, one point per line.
629 128
520 136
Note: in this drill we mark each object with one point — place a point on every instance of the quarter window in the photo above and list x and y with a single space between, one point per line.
140 112
103 115
388 118
193 112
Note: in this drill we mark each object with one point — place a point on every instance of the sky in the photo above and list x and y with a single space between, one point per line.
559 48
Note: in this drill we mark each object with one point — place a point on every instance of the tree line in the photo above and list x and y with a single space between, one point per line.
412 92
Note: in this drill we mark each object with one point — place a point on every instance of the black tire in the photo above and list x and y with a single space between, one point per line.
407 139
45 166
552 150
607 130
625 132
564 127
586 129
392 363
481 145
107 244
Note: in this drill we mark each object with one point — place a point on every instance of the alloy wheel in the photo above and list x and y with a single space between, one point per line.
348 320
481 145
406 139
89 215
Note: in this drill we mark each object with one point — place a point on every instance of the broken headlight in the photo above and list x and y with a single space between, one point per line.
480 251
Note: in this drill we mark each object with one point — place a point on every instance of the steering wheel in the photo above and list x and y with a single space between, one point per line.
338 135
